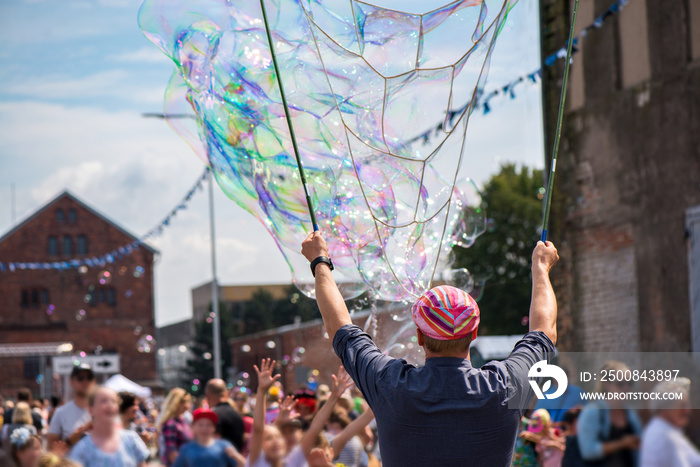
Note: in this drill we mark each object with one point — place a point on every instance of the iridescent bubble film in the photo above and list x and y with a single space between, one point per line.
363 82
146 344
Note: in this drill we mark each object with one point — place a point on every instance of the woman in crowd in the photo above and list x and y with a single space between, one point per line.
174 431
107 445
663 441
21 418
239 396
609 432
25 446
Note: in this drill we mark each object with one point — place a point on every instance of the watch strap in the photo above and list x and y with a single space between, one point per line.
320 259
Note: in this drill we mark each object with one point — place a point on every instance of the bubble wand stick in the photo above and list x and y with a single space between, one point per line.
557 135
278 75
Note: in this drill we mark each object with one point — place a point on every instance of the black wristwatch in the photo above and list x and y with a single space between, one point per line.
320 259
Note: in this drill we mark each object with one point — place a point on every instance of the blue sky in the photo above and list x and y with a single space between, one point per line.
76 77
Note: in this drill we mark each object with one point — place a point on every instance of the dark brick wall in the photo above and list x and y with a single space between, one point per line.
112 327
628 169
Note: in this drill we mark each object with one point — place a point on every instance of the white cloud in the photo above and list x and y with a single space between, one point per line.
149 54
117 83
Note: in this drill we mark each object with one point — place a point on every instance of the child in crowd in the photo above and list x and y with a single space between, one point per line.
26 447
205 450
549 445
268 446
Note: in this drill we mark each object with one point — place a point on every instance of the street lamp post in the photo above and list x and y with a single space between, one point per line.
214 282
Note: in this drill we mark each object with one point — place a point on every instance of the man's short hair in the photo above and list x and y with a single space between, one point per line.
447 346
24 395
215 387
126 401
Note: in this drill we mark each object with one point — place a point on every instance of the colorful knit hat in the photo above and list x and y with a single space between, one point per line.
446 313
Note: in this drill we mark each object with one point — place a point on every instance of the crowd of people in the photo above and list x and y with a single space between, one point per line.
608 433
98 427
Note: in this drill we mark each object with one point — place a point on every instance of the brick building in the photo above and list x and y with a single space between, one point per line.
625 213
103 310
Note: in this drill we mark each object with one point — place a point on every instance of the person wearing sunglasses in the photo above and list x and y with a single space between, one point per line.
72 421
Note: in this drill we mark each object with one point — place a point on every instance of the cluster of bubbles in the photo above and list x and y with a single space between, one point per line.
404 345
362 81
242 379
293 359
146 344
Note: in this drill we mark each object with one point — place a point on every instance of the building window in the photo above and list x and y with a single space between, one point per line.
53 245
59 215
111 297
34 298
81 247
694 28
103 295
72 216
67 245
32 367
635 61
44 296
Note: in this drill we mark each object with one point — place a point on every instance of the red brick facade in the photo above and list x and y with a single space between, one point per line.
45 305
318 351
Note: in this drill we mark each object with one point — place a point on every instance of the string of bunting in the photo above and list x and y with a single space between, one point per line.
117 253
483 100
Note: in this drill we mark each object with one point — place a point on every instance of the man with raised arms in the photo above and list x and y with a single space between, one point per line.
447 412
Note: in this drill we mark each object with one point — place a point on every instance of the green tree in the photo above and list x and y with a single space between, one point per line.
512 199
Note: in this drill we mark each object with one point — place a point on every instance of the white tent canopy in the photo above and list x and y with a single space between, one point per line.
120 383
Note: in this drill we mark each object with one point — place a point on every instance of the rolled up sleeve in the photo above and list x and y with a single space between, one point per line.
361 358
533 347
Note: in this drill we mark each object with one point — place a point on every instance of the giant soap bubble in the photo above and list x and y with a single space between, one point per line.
362 80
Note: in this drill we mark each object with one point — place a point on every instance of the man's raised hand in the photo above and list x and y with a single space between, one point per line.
314 246
544 256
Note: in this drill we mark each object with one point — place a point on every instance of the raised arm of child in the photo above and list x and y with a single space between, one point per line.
265 380
286 412
355 428
340 384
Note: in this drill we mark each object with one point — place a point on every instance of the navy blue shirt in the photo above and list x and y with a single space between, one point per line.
446 413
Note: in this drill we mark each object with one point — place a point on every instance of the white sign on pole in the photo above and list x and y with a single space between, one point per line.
106 364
